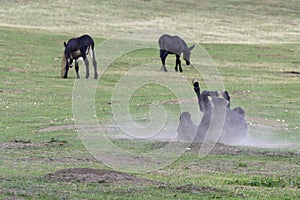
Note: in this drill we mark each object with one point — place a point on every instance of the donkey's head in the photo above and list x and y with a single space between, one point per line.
66 61
67 53
187 54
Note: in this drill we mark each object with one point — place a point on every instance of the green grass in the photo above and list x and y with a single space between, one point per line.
254 44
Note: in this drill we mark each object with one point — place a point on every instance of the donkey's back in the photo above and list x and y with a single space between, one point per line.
173 44
86 40
79 43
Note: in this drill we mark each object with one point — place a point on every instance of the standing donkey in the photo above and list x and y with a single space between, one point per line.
174 45
76 48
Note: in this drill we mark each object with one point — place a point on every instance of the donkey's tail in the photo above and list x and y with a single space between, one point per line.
63 65
90 48
92 53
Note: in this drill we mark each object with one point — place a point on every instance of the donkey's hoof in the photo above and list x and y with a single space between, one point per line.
163 68
96 77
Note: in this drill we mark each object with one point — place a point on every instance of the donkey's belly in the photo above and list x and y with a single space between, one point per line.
76 54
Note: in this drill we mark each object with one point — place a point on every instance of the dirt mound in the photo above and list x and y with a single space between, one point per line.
89 175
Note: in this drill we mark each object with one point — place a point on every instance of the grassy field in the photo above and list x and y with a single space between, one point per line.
255 45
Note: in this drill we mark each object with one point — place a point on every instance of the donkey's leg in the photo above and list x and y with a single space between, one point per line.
66 71
86 62
203 101
227 97
77 69
94 64
71 63
178 63
197 91
163 57
206 104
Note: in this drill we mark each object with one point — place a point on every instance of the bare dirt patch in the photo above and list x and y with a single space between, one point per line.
221 149
56 128
89 175
106 128
29 144
16 70
5 145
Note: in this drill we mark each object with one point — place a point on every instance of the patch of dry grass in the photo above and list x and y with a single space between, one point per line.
214 21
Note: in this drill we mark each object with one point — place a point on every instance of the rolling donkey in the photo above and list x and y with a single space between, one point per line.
74 49
228 125
174 45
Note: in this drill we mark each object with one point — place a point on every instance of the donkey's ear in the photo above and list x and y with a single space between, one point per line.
65 44
191 47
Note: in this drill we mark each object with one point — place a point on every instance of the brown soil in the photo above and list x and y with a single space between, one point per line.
107 128
221 149
56 128
14 69
5 145
28 144
89 175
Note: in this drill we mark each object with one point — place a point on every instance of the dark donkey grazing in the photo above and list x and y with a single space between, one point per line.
76 48
174 45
